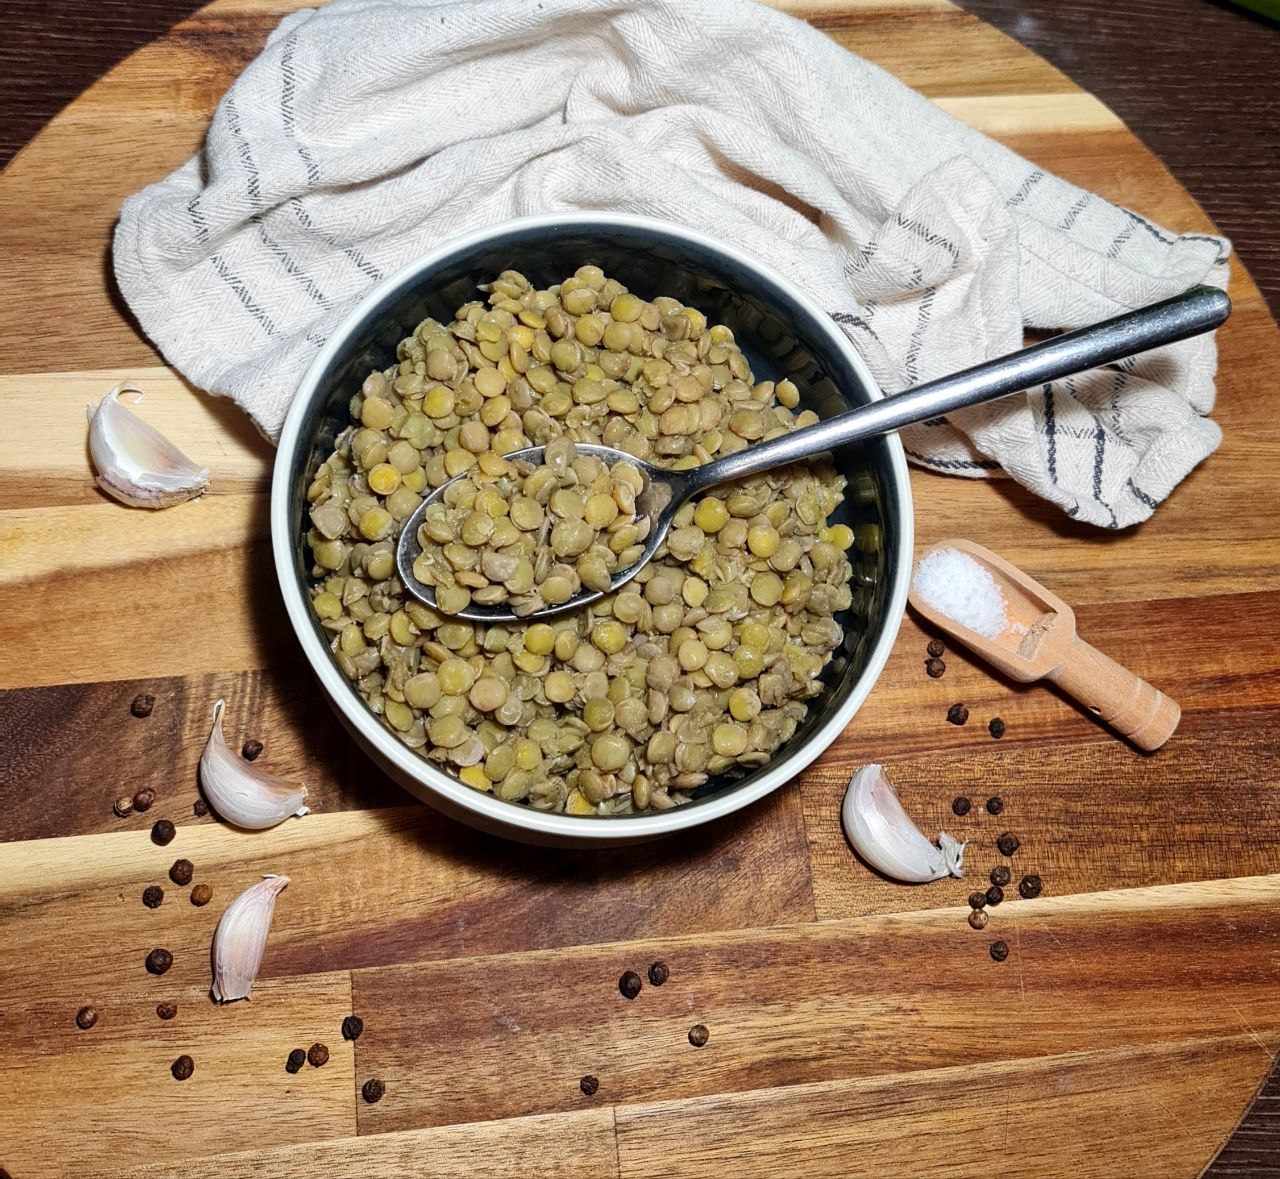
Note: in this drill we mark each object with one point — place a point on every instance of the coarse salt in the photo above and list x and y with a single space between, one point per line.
956 585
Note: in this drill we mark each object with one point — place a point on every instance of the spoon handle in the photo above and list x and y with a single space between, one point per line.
1198 310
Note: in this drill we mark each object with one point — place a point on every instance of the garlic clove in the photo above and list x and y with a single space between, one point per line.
137 464
240 792
883 834
241 937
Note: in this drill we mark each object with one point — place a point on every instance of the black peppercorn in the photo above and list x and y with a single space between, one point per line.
977 900
163 832
296 1059
995 804
658 973
318 1055
935 648
1007 844
372 1090
86 1017
934 668
995 894
158 961
698 1035
1000 875
182 1068
352 1026
996 727
123 807
152 895
961 806
201 895
142 704
182 871
629 984
999 951
199 808
589 1085
250 750
166 1010
1029 887
978 918
957 714
143 799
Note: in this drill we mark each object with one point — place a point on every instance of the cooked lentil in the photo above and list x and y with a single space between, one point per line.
702 664
524 533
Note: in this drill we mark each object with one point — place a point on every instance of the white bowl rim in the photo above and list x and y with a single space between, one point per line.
486 807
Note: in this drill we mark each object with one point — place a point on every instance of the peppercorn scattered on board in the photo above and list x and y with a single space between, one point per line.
847 1017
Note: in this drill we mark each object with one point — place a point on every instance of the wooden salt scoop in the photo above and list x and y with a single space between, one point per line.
1040 642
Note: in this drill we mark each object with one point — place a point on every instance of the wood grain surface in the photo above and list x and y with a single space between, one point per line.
856 1026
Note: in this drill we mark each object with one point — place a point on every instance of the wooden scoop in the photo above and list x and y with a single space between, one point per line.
1040 642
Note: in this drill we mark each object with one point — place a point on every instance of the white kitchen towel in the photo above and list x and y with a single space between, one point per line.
369 131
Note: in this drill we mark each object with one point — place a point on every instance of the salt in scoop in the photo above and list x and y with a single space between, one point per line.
1030 634
1200 309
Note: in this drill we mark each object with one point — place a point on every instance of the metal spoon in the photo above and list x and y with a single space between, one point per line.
1200 309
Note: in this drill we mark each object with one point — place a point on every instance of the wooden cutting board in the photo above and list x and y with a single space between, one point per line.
856 1027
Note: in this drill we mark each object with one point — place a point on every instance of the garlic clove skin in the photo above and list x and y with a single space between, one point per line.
883 834
241 938
241 793
136 464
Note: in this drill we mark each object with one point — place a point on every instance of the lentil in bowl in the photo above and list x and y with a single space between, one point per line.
757 326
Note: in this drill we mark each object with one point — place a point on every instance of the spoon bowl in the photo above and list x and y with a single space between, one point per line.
664 491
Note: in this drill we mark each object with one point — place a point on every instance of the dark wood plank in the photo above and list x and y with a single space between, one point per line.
485 1037
383 886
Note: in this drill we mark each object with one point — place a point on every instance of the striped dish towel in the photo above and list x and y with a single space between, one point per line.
369 131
